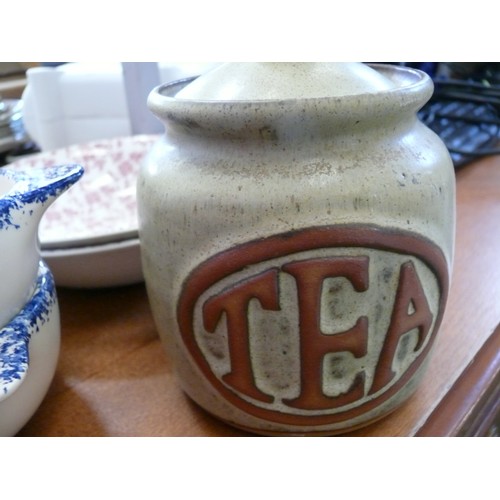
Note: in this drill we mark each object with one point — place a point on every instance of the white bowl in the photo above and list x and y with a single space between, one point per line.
98 266
29 350
89 236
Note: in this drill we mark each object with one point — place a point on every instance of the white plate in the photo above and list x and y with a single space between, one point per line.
98 266
102 206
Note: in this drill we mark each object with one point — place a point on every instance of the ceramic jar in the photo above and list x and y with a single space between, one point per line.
297 229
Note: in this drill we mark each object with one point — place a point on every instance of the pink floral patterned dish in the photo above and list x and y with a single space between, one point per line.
102 207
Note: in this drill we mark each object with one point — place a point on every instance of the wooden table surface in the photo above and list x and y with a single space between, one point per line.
113 378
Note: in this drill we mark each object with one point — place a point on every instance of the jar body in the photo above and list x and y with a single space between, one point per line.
298 274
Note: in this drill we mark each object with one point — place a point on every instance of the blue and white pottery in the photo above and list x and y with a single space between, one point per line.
24 197
29 314
29 349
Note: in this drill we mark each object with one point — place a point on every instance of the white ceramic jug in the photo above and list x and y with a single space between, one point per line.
29 314
24 197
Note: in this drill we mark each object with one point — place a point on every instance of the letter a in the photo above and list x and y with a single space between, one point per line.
411 310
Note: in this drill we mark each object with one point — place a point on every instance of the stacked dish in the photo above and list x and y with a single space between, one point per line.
89 237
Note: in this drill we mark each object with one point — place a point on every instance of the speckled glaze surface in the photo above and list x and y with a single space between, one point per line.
297 249
29 314
101 208
29 349
25 195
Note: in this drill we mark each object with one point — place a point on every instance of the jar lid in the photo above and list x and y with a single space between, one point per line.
265 81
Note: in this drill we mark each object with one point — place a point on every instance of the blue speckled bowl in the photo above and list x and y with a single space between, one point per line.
29 349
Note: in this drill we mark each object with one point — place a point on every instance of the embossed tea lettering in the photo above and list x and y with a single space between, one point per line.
346 325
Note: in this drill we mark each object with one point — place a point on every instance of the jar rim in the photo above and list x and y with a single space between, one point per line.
404 77
413 88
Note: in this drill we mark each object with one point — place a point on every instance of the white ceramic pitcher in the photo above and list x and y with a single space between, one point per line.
29 313
24 197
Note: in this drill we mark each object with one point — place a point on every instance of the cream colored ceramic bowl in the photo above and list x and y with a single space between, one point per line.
96 266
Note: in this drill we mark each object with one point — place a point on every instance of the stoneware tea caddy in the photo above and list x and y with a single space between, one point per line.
29 313
297 227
